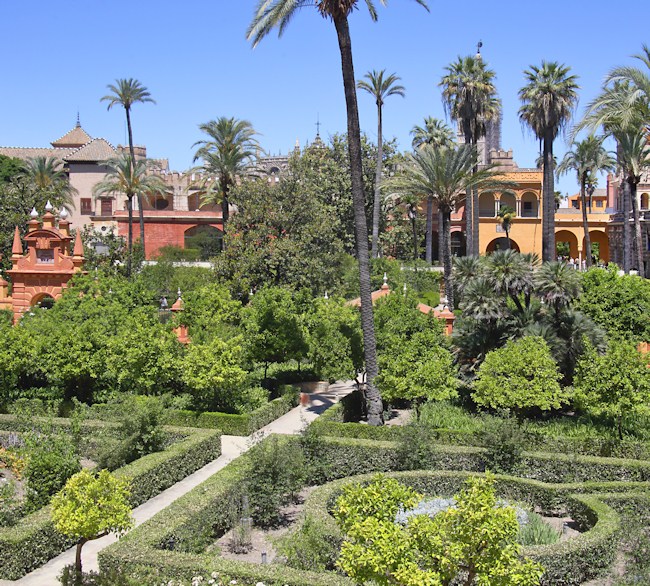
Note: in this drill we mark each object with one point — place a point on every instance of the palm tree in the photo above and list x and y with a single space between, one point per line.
587 158
271 14
506 215
125 93
548 100
470 98
638 79
444 173
436 133
231 148
380 88
48 177
133 180
557 284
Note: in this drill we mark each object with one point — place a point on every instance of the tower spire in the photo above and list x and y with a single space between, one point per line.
478 50
318 125
78 121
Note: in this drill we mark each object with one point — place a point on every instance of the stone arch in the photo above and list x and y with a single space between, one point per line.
206 239
529 205
601 240
508 199
501 244
43 299
570 238
645 201
486 205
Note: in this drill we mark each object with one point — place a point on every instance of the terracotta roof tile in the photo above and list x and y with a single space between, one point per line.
25 153
97 149
75 138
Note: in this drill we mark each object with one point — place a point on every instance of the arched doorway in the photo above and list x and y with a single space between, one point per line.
501 244
566 244
43 300
486 206
205 239
458 244
599 245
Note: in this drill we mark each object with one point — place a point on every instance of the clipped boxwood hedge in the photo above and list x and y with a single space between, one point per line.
229 423
33 540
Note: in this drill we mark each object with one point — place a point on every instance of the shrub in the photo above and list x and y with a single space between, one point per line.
275 474
10 510
521 375
311 547
504 446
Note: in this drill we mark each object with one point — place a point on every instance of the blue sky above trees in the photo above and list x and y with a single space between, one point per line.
195 60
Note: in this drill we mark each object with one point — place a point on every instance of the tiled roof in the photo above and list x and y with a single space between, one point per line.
75 138
97 149
25 153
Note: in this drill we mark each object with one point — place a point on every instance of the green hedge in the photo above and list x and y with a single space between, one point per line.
33 541
171 545
229 423
567 562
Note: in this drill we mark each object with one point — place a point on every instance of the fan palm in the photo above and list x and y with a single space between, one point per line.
435 133
231 148
272 14
557 284
465 270
548 100
133 180
380 88
509 275
506 215
125 93
444 174
48 177
587 158
470 98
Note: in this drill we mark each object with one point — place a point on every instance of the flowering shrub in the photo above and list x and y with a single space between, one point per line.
215 579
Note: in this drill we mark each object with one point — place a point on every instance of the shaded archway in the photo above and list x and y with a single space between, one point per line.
529 205
205 239
486 205
458 244
645 201
42 300
570 241
599 245
508 199
501 244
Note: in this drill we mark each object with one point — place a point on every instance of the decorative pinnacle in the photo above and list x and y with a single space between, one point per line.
48 206
478 50
326 295
385 279
33 214
63 214
179 292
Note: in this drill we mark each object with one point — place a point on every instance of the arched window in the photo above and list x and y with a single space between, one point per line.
207 240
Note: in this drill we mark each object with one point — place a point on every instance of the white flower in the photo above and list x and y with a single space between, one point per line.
233 581
260 584
214 575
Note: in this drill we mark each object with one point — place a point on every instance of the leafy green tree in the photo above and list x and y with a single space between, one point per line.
132 178
522 375
125 93
548 100
615 384
587 159
271 14
231 146
50 180
9 168
620 304
471 543
470 97
380 88
273 329
92 506
335 340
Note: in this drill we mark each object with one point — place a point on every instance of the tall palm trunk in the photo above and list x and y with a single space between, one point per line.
129 257
375 406
132 153
446 256
377 203
638 235
469 204
428 240
585 219
627 236
476 220
441 241
415 243
548 217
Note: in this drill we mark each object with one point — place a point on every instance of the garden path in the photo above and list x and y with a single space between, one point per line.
231 447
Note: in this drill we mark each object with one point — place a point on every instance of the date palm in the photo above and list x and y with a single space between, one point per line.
132 180
49 179
272 14
125 93
380 88
445 174
547 103
639 79
587 158
506 216
470 98
436 133
229 150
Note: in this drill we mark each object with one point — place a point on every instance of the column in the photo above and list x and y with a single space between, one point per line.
518 208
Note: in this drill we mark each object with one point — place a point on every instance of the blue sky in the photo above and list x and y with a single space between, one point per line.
194 58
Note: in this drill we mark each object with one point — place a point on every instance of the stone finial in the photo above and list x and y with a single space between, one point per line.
385 285
33 214
48 206
63 214
17 248
78 251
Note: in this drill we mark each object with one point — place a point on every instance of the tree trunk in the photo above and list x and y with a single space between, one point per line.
129 257
377 203
476 219
428 242
375 406
446 256
585 219
548 217
507 237
77 561
132 153
638 235
415 243
441 241
627 236
469 204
